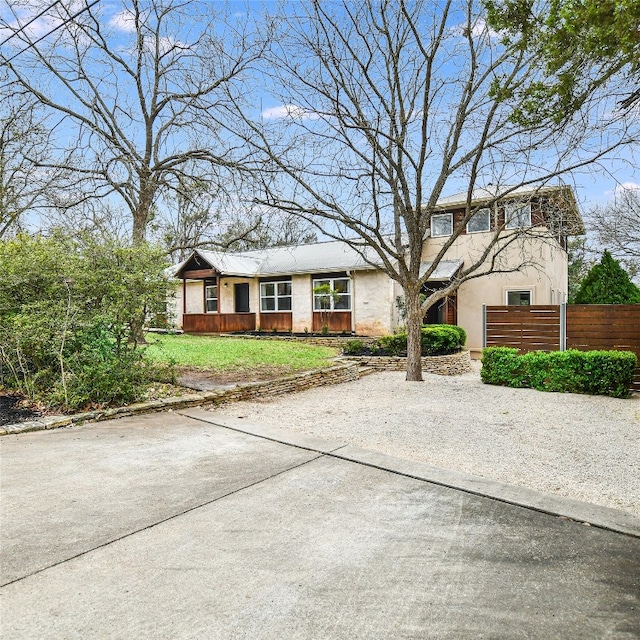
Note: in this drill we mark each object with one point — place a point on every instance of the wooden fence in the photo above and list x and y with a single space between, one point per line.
559 327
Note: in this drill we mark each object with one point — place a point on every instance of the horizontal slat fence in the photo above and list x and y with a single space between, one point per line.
587 327
530 328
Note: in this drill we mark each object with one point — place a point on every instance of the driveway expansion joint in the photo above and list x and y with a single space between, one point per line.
584 513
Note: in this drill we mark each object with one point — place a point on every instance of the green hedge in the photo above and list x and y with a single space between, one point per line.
607 373
437 340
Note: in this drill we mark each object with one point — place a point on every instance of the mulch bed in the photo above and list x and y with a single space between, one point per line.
12 411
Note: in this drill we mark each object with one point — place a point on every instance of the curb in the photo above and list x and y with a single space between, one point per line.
330 375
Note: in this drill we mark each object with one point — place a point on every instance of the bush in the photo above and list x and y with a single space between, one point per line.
608 373
71 311
353 347
437 340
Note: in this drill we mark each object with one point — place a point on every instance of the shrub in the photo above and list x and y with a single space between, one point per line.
437 340
595 372
353 347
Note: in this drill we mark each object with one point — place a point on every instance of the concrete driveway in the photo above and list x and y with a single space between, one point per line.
171 526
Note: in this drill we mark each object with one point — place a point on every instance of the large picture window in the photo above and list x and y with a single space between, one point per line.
441 224
332 294
517 215
275 296
211 297
481 221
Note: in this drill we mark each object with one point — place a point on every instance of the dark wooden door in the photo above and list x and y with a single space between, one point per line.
242 298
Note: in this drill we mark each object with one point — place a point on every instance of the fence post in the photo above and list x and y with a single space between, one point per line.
484 326
563 326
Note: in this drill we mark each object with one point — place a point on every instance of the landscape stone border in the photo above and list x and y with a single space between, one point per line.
351 368
449 365
344 372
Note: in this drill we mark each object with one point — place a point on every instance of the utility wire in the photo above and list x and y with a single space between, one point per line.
24 26
46 35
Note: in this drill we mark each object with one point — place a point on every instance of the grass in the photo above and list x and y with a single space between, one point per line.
233 354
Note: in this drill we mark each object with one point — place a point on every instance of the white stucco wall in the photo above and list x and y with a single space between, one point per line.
373 303
547 279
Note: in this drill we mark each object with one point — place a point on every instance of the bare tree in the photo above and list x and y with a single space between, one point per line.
137 93
617 226
385 107
24 145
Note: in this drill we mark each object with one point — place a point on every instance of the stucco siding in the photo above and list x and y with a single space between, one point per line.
372 303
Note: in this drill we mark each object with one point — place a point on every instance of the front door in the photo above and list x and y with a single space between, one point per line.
242 298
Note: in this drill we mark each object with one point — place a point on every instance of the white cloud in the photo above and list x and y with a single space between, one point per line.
621 188
289 111
123 21
479 29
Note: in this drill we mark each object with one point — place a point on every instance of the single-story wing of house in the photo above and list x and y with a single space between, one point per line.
330 286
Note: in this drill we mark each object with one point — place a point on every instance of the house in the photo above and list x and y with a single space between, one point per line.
277 289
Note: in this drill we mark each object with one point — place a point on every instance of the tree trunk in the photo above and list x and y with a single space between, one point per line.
414 337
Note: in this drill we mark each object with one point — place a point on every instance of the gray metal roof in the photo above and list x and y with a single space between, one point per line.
320 257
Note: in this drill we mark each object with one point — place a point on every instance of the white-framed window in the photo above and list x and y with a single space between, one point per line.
275 296
441 224
517 215
481 221
211 297
519 298
337 296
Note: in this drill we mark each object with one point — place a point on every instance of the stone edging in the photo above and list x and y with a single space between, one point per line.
298 382
449 365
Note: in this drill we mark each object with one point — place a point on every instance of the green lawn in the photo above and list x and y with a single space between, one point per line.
233 354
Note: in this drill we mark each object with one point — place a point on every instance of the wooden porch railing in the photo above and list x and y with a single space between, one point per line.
218 322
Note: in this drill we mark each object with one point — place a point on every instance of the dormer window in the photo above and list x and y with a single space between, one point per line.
517 215
441 224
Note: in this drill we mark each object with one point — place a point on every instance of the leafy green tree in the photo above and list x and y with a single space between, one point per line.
585 44
608 283
68 310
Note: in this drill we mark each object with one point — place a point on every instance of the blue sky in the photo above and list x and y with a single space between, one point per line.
595 185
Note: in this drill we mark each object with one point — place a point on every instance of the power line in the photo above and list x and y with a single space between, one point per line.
46 35
24 26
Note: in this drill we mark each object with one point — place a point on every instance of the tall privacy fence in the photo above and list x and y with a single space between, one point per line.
560 327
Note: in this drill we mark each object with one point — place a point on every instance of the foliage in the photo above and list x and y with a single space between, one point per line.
594 372
584 44
436 340
69 315
607 283
226 354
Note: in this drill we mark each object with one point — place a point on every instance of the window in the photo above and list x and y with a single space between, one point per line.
275 296
517 215
481 221
336 297
211 297
519 298
442 224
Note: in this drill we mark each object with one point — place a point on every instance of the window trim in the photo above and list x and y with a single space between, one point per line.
276 297
332 279
516 206
508 291
442 215
481 210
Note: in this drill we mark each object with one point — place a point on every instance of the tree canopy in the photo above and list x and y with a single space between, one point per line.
607 283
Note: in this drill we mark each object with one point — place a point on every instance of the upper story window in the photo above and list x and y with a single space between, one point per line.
441 224
275 296
517 215
336 297
481 221
211 297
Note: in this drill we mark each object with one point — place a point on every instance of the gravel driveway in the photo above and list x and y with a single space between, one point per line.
582 447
